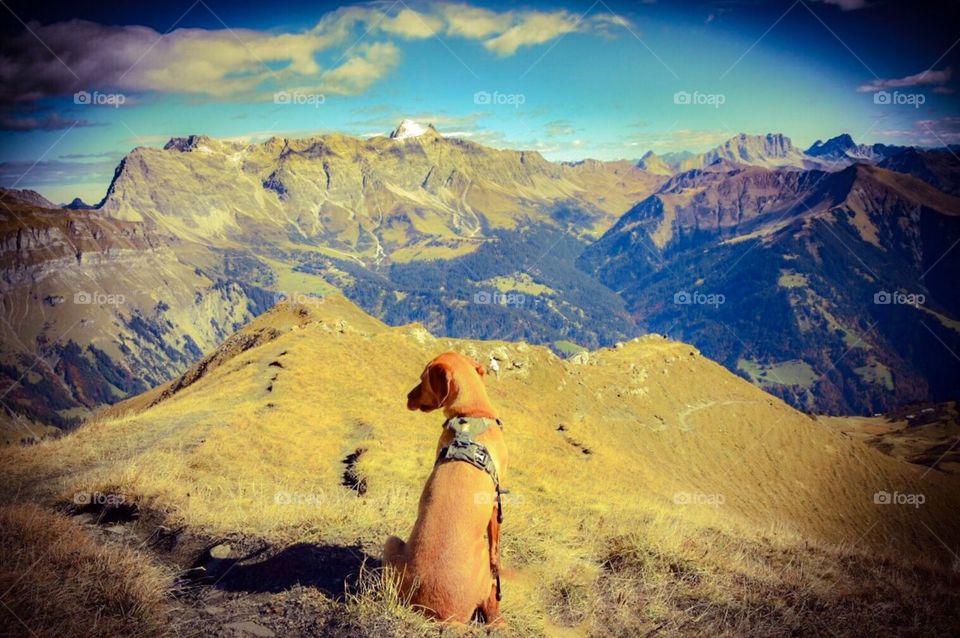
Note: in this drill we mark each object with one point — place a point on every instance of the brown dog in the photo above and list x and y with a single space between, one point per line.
447 567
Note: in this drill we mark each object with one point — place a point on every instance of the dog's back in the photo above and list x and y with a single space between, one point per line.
445 566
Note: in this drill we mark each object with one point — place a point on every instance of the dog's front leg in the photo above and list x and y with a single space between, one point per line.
491 607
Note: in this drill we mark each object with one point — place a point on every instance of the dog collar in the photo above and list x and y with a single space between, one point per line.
471 426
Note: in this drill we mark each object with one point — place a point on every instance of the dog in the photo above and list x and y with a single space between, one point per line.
449 567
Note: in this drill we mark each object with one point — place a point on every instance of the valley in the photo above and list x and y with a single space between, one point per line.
194 240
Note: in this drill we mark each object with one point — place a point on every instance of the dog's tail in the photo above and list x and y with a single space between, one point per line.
394 553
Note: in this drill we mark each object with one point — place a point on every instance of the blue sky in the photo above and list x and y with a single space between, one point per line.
572 80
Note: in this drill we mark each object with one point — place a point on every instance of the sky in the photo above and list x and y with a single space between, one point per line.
84 83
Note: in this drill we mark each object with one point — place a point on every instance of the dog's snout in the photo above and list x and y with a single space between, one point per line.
413 398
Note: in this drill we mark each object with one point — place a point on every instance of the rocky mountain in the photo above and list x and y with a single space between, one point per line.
95 309
653 163
410 128
25 196
414 195
78 204
195 239
842 148
832 290
773 150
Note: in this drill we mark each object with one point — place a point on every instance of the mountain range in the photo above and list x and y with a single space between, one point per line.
773 150
195 239
833 290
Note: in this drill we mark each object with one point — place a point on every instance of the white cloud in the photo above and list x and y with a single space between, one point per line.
533 28
935 132
474 23
50 122
559 128
411 24
248 64
360 71
938 132
846 5
696 140
928 78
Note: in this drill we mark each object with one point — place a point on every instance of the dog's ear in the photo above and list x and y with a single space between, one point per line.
442 386
436 389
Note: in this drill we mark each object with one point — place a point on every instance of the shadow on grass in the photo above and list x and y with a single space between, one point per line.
333 569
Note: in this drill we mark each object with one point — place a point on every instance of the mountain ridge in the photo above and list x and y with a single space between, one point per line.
379 197
714 493
201 236
793 265
775 151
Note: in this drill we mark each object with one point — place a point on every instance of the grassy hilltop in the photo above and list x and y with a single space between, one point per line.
652 492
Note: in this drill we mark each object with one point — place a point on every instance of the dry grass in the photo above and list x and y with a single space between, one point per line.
653 491
56 581
707 582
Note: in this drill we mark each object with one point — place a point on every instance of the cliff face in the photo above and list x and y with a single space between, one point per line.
38 242
95 309
392 199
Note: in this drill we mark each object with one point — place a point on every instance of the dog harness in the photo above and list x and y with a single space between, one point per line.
464 447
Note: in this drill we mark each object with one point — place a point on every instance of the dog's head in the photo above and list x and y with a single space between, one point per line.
445 381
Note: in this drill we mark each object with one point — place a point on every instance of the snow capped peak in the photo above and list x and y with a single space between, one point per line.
408 129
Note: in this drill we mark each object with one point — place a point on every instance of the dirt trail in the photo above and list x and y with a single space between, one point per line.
685 414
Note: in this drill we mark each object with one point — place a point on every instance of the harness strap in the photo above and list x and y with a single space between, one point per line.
474 453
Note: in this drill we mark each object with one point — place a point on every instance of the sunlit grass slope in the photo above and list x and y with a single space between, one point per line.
652 490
